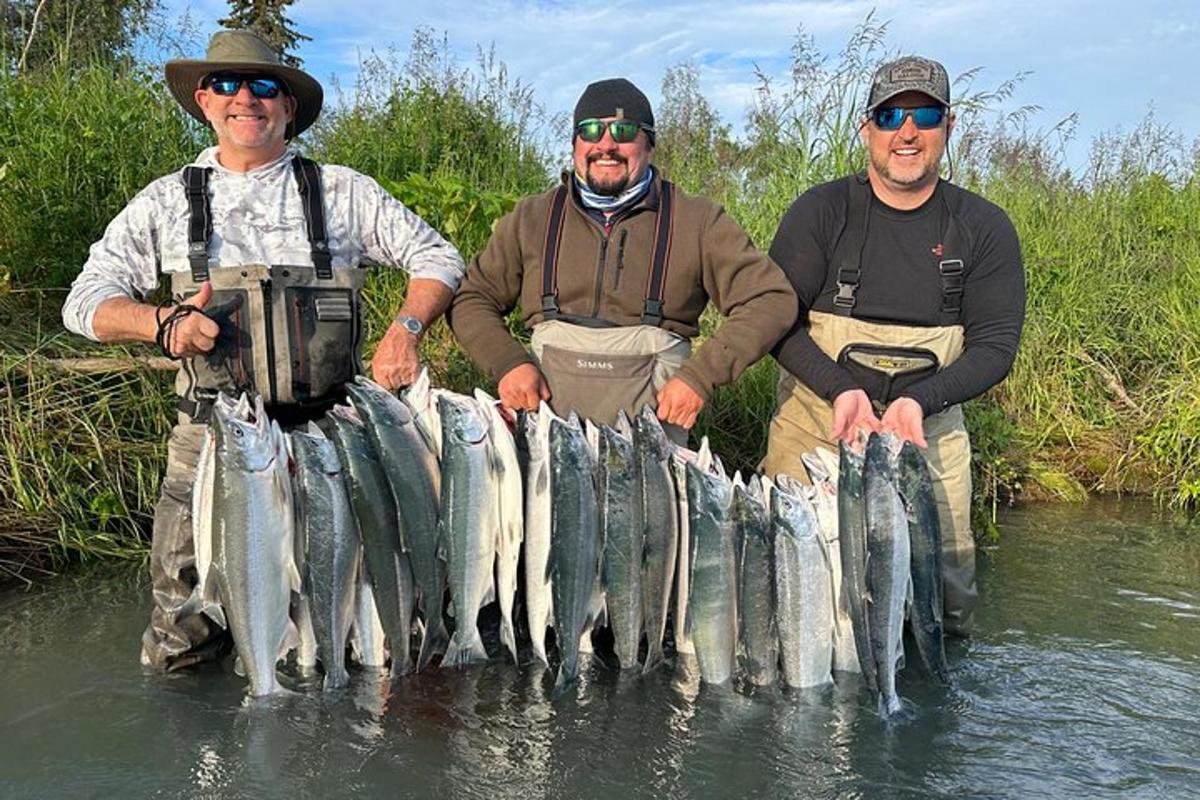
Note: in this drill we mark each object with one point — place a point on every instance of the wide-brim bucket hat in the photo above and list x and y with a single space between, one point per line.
244 51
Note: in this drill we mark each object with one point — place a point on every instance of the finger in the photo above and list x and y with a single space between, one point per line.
543 391
200 299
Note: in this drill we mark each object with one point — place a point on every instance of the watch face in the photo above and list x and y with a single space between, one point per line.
412 325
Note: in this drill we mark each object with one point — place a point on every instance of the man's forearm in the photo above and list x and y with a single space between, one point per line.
426 300
122 319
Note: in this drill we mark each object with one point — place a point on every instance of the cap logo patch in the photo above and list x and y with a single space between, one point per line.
620 113
912 72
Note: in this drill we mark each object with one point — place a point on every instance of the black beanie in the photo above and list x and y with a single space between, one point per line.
608 97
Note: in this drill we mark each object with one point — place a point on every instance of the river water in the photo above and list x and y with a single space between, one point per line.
1083 680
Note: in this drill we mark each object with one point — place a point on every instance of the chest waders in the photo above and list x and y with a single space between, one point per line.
597 368
288 332
884 359
291 333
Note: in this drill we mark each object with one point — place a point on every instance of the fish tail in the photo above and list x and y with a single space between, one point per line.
568 673
509 638
539 648
336 678
654 657
433 642
889 705
460 653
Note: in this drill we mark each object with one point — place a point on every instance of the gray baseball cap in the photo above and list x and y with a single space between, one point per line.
909 74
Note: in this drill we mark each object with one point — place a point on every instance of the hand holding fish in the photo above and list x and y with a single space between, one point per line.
679 404
852 412
397 360
523 388
905 418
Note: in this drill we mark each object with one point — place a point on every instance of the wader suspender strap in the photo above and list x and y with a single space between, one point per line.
663 230
554 229
308 178
951 269
858 220
195 188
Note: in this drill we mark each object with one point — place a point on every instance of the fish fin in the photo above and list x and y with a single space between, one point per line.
294 577
433 642
509 639
291 638
216 613
461 654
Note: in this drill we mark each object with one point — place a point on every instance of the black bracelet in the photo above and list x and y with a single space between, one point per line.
166 326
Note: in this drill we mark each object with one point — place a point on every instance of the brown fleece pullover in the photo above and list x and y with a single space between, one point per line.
602 280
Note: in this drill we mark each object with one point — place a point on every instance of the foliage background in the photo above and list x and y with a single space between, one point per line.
1103 396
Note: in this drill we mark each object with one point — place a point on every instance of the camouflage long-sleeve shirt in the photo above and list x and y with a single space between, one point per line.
258 218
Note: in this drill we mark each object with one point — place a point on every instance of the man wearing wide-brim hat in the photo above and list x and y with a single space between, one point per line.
263 249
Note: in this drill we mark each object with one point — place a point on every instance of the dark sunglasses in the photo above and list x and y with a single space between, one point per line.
261 86
890 118
622 131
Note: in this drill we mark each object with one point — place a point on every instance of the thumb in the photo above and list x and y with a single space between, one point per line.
200 299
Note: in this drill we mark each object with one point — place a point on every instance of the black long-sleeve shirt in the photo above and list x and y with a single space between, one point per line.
900 284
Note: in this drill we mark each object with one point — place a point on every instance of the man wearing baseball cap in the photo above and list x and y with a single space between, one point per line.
262 248
912 299
612 269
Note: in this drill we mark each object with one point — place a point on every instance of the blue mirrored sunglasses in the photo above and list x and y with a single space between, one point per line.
890 118
262 87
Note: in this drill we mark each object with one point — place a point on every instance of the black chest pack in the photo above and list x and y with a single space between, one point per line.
289 332
652 309
884 371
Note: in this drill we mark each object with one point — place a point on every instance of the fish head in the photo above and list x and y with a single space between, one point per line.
568 444
377 404
247 445
461 419
313 450
648 434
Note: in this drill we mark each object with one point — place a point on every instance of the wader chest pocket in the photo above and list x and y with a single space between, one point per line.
884 372
597 385
322 340
230 364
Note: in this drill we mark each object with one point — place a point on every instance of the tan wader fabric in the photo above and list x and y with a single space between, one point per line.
599 372
802 422
174 640
315 326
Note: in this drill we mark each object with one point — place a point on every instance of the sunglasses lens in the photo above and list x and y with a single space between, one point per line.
590 130
928 116
889 119
264 87
623 130
224 86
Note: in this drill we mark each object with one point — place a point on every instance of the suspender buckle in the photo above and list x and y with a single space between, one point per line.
550 304
845 297
652 313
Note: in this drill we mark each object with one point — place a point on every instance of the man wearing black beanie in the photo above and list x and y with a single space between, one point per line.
612 269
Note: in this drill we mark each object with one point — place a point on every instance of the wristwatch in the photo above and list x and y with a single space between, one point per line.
410 324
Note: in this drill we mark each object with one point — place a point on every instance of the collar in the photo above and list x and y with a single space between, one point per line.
208 158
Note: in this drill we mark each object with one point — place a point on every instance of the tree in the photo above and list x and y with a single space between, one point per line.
266 18
42 33
693 147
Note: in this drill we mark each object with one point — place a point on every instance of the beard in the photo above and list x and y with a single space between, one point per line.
908 176
610 187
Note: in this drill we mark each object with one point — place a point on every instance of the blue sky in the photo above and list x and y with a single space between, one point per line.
1108 61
